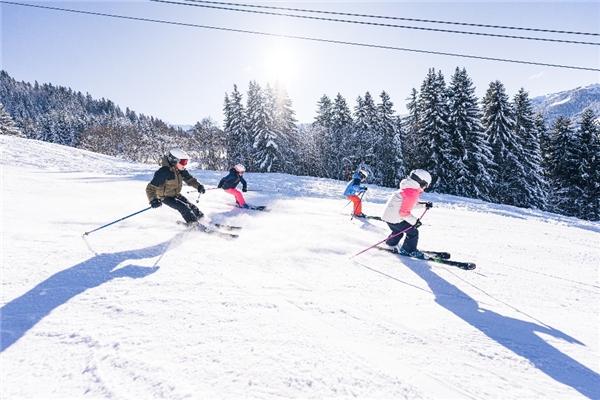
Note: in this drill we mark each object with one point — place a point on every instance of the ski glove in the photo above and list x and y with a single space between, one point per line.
201 189
244 190
155 203
417 224
428 205
363 189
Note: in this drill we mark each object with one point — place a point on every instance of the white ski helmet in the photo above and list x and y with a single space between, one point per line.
239 168
363 174
177 156
422 177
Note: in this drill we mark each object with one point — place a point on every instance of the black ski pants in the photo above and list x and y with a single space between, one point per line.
412 236
188 211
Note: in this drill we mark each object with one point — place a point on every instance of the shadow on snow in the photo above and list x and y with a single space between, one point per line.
21 314
516 335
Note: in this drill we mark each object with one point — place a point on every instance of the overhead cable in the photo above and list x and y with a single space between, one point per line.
396 18
377 23
300 37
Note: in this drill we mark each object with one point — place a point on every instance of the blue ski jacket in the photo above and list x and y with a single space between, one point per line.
354 187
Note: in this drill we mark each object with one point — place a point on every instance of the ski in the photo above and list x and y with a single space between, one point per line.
256 208
376 218
438 257
441 254
458 264
228 227
224 235
203 228
221 226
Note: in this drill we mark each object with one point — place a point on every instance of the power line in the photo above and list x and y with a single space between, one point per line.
398 18
378 24
301 37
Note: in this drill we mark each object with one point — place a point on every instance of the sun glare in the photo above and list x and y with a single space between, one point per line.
281 65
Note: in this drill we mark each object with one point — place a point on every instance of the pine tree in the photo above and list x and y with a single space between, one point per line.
470 174
534 192
507 152
433 138
261 125
389 162
545 139
235 128
287 129
564 168
342 124
589 134
410 129
7 125
209 144
322 134
364 135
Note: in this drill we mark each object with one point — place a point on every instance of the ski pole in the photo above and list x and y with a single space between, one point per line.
389 237
262 190
194 191
114 222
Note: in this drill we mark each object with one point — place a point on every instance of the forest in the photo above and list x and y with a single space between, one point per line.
496 149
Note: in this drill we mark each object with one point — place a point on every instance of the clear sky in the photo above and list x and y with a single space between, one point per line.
180 74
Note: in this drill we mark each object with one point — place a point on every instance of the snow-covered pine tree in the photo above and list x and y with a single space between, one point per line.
322 134
498 120
208 143
433 140
545 138
589 134
410 129
535 191
364 135
287 128
260 110
388 161
472 158
342 125
235 128
7 125
565 175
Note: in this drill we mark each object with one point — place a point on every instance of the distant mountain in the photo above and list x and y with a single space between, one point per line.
570 103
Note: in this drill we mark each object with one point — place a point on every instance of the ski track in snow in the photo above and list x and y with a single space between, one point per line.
147 309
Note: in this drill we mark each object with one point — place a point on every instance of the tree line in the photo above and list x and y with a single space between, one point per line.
495 149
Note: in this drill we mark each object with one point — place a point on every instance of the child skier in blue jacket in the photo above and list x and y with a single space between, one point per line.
354 189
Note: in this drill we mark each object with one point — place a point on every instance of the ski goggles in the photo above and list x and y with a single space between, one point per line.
183 162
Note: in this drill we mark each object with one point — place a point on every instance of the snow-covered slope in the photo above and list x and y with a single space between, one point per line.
143 309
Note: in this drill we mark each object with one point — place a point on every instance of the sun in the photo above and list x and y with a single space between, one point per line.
281 64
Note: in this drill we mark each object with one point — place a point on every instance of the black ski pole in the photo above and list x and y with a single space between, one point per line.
114 222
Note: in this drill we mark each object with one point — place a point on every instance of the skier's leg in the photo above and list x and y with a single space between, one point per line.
357 209
182 205
411 241
239 198
399 227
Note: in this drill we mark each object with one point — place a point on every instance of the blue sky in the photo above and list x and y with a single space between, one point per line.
180 74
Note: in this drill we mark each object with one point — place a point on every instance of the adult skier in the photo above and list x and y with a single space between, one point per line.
228 184
398 213
354 189
165 186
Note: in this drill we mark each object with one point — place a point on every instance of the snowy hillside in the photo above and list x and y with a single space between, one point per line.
146 310
570 103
